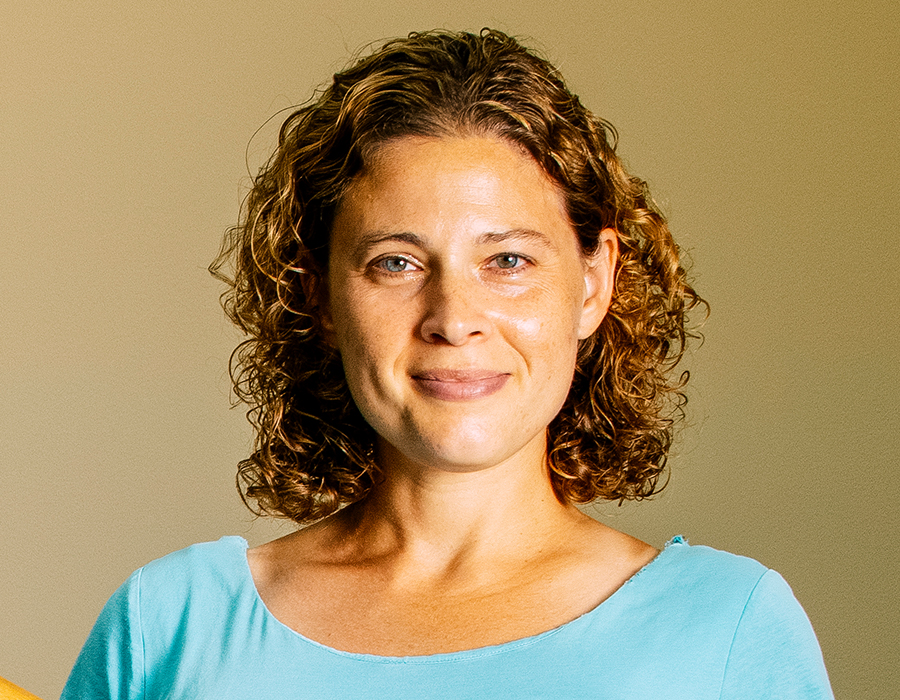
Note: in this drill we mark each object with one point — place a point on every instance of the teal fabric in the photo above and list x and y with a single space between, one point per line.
695 623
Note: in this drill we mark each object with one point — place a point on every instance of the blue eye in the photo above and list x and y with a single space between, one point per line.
508 261
395 264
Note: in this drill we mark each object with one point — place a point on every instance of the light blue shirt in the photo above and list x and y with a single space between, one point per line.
695 623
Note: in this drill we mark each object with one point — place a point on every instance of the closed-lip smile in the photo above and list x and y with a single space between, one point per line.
459 384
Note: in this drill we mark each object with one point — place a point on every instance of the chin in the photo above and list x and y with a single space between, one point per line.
464 451
453 455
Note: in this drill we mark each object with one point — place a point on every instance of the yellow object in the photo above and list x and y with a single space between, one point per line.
10 691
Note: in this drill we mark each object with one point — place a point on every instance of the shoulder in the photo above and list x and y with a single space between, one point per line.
751 611
695 571
711 576
190 578
221 563
698 591
680 553
170 598
191 585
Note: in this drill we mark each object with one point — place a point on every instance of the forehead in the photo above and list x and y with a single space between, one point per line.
458 182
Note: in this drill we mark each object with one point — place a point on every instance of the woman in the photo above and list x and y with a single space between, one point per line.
463 317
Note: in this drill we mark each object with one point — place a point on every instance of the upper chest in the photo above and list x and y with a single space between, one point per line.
366 609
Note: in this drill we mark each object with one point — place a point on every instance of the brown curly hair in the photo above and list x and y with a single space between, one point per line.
314 452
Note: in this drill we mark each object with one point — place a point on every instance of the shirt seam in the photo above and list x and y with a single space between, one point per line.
140 625
737 627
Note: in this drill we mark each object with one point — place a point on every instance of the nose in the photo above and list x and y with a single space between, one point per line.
455 310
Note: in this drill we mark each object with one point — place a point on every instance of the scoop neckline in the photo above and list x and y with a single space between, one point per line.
450 656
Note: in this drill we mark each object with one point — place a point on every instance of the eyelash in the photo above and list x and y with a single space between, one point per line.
381 264
521 262
519 259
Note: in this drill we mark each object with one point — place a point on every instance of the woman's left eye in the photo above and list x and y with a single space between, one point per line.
508 261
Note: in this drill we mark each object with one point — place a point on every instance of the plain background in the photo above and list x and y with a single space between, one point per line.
768 132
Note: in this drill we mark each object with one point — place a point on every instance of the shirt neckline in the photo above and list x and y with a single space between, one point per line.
452 656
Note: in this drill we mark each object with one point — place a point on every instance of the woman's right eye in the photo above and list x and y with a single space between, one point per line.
395 264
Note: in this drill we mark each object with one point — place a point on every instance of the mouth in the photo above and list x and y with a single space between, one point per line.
459 384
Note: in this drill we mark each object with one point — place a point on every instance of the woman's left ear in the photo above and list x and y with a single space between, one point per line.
599 281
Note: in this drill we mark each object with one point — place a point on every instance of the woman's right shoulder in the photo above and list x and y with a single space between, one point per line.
194 577
203 555
181 596
209 567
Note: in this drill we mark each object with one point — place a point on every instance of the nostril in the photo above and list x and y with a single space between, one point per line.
453 313
459 332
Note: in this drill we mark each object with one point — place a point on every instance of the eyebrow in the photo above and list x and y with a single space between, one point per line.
526 234
374 238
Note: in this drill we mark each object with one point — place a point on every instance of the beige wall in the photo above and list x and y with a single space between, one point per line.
768 132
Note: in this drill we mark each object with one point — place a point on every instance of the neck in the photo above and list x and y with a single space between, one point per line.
438 522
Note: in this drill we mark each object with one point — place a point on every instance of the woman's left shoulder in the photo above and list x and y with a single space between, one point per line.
692 564
773 648
749 609
701 582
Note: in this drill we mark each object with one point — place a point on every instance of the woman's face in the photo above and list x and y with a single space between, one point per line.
457 296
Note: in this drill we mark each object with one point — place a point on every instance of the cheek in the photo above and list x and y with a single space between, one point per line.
350 311
530 328
367 339
549 320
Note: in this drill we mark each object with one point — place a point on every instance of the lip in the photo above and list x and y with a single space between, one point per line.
459 384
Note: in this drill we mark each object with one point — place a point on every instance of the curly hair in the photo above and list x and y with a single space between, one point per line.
313 451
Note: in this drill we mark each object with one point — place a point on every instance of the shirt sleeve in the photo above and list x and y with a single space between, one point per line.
110 665
775 653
